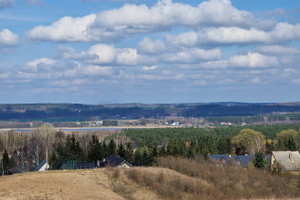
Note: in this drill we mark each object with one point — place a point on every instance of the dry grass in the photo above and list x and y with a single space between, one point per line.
175 179
231 182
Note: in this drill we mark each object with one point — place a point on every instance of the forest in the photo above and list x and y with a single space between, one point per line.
22 152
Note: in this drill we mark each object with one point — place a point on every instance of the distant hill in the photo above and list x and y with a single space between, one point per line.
82 112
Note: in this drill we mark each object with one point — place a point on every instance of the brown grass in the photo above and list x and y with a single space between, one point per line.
176 178
231 182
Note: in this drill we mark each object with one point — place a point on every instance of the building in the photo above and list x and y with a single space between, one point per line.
285 161
240 160
43 166
115 161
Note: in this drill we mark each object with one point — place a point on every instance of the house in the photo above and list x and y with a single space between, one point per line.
243 160
73 164
240 160
43 166
285 161
115 161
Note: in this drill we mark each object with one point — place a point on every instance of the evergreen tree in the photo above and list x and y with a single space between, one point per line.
129 154
53 161
121 151
291 145
224 146
5 163
259 161
112 151
138 158
105 149
95 150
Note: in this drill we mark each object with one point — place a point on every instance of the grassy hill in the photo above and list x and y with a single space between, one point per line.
175 179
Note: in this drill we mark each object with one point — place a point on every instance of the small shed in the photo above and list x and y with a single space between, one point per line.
43 166
285 161
115 161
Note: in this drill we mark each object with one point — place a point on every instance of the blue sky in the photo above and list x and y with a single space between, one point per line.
117 51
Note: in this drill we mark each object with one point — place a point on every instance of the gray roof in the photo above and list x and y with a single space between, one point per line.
288 160
37 168
243 160
115 161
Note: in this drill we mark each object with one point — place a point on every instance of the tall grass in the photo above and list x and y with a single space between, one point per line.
180 178
232 182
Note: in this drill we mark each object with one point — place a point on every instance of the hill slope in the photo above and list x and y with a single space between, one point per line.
176 179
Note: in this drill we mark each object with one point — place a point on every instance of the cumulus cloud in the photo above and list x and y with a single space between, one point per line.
149 46
134 19
253 60
6 3
8 38
105 54
41 64
65 29
280 34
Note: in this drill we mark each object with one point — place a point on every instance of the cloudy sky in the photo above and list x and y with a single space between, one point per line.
117 51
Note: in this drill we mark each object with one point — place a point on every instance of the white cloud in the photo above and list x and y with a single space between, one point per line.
66 52
8 38
253 60
149 46
134 19
281 33
276 49
65 29
41 64
192 55
94 70
108 54
103 53
165 13
149 68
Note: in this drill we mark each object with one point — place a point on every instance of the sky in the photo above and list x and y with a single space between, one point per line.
137 51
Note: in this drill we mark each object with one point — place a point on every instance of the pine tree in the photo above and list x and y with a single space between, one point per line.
129 154
112 151
259 161
291 145
5 163
121 151
95 150
53 161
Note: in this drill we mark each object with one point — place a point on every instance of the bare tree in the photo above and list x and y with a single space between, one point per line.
48 132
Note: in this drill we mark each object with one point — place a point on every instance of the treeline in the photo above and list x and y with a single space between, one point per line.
160 136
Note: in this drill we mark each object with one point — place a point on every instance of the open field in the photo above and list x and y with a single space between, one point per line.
79 184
